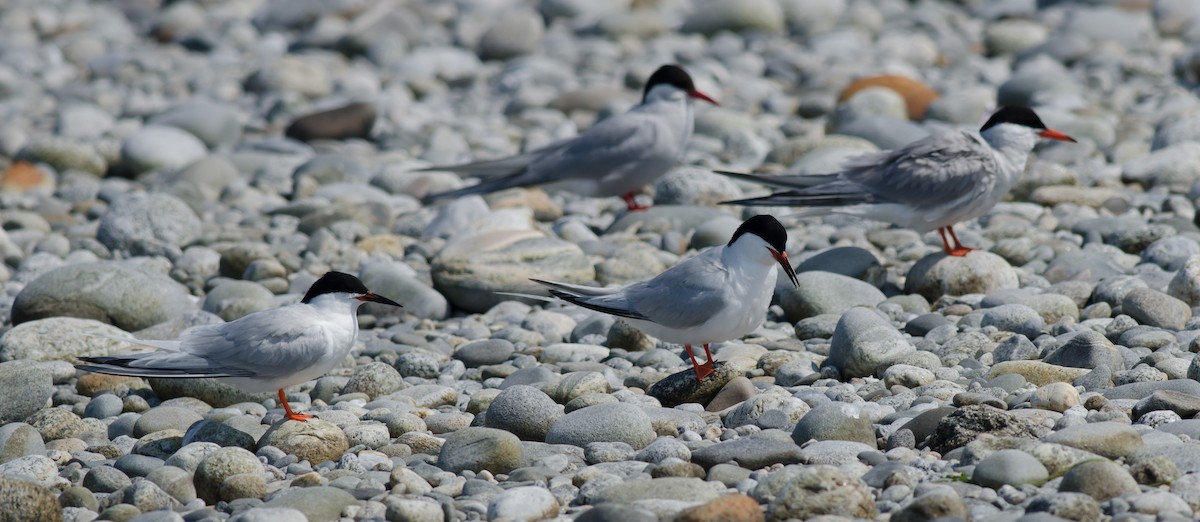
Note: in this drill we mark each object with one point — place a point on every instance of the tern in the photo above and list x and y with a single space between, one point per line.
929 184
262 351
719 295
615 157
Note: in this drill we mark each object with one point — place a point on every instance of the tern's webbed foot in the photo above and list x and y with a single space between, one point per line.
302 417
703 371
960 251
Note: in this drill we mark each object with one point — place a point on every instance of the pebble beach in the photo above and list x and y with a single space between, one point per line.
165 165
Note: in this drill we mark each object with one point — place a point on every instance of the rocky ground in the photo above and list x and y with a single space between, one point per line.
188 163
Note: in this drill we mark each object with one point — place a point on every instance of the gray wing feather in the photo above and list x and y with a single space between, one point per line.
275 343
927 173
685 295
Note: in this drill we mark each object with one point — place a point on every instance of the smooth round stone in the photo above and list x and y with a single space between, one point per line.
164 418
735 16
1016 318
25 388
812 491
30 500
17 440
834 421
105 479
214 123
156 147
484 352
978 272
1154 308
375 379
471 268
148 224
775 407
353 120
219 465
315 503
124 295
232 300
1055 396
103 406
516 32
611 422
313 440
138 465
478 449
175 482
827 293
1015 348
524 411
219 433
1011 467
523 503
1100 480
862 341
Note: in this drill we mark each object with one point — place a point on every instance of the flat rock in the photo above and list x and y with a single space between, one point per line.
826 293
478 449
667 488
317 504
471 268
110 292
25 388
748 452
1108 439
611 422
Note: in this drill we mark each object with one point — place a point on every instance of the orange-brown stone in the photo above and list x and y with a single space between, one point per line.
917 96
729 508
22 176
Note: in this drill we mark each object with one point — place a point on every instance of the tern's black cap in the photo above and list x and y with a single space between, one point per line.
766 227
332 283
1015 115
671 75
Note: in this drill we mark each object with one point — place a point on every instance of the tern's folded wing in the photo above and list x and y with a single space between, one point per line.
686 295
930 172
276 343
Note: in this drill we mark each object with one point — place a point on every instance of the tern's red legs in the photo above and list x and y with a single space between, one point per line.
631 203
958 250
287 409
702 370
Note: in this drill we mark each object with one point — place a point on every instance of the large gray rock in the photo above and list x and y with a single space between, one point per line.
862 341
25 388
214 123
313 440
612 422
524 411
813 491
515 32
317 504
394 281
1108 439
473 267
1086 349
1099 479
978 272
713 16
61 339
18 439
155 147
116 293
1011 467
218 466
26 501
667 488
232 299
148 224
834 421
1154 308
478 449
826 293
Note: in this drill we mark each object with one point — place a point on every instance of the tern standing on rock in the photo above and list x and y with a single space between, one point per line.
263 351
930 184
615 157
719 295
